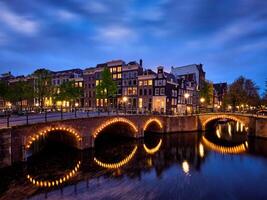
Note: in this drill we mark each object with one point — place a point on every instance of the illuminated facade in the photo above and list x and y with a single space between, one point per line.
145 91
165 92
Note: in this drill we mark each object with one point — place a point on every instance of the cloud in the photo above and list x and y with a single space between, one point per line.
115 34
66 15
96 7
20 24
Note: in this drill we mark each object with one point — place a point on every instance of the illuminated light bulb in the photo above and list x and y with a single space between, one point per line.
64 179
56 182
60 180
45 184
53 183
33 181
28 176
49 184
37 183
41 183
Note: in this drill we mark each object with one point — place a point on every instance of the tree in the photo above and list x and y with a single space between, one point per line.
206 92
107 88
43 86
19 91
3 90
242 92
68 92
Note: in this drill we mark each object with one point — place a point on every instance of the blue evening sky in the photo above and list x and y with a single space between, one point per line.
229 37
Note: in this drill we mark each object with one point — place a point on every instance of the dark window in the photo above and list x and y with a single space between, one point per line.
145 93
150 92
140 92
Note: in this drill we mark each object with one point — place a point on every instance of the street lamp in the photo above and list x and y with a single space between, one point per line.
186 96
124 99
76 105
202 100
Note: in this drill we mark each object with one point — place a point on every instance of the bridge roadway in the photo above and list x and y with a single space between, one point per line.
16 141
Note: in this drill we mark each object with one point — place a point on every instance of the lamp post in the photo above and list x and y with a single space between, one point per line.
76 105
124 99
186 96
202 100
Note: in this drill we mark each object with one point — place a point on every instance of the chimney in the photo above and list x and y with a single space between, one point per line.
141 62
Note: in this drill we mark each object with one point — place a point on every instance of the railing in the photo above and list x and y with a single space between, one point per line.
28 118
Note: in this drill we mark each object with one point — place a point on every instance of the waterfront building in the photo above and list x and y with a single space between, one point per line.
130 74
165 92
192 78
145 90
58 78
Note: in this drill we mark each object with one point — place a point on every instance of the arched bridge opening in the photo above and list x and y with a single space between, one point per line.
153 125
52 139
211 122
114 131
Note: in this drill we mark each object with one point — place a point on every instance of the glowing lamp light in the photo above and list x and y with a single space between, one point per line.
202 100
186 95
124 99
185 167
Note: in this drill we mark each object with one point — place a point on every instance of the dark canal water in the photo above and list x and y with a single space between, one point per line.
220 164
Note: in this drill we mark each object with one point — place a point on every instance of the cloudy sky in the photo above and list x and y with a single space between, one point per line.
229 37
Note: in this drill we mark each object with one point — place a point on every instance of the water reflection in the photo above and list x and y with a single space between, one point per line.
153 165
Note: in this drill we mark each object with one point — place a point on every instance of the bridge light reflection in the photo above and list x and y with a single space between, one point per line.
225 150
201 150
153 150
117 164
185 167
49 183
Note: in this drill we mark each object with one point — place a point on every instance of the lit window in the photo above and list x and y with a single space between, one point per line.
140 83
114 69
80 84
114 76
140 103
149 82
119 69
145 82
134 91
97 82
97 102
119 75
110 69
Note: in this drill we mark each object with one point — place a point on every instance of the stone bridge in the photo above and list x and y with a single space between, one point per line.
16 142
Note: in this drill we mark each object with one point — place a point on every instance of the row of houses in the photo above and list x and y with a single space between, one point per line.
138 89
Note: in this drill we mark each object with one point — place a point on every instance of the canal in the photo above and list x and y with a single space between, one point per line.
222 163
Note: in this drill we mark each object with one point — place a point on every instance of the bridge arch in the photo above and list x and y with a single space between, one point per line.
35 137
211 118
152 120
112 121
